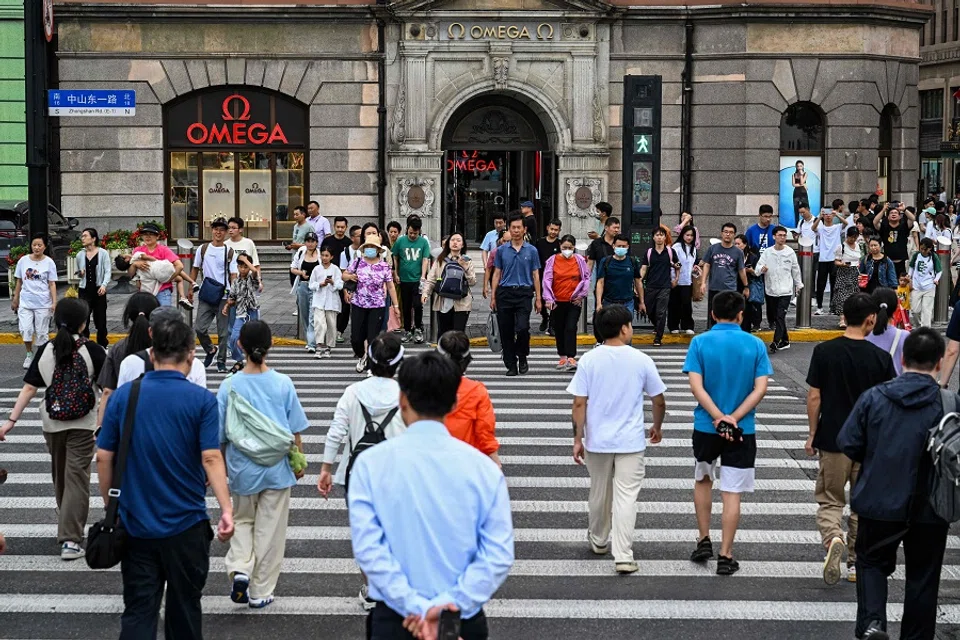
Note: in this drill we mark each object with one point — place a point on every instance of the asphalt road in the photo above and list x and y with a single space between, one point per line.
557 587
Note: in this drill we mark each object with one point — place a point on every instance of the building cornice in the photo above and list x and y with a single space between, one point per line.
142 12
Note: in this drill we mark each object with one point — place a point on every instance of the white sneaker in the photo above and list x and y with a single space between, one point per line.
851 573
71 551
690 332
675 331
28 360
831 564
361 364
819 312
295 313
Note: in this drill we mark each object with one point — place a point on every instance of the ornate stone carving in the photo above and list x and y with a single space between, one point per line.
574 185
597 117
400 112
418 185
501 69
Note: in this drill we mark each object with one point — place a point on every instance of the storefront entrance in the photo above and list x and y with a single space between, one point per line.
235 152
495 157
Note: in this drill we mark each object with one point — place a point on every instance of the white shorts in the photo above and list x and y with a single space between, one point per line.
34 325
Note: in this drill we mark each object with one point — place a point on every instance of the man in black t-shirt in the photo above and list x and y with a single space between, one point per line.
547 246
894 232
529 221
660 270
338 243
599 249
840 370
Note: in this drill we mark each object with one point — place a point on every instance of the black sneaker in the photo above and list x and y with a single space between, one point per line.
727 566
773 347
511 373
703 552
875 632
550 331
240 585
221 367
524 366
210 357
543 325
657 342
783 346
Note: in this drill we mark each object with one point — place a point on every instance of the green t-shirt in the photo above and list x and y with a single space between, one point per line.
300 231
411 254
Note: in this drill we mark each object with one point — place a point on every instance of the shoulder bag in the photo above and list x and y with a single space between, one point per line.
211 291
253 434
107 539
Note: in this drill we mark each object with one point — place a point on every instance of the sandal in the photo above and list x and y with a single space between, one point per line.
727 566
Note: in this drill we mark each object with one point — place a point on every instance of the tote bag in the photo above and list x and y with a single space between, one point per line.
255 435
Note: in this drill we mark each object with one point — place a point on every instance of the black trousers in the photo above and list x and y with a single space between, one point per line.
565 318
366 327
98 309
451 321
657 302
411 306
513 313
752 316
781 305
383 623
923 547
825 271
180 562
343 318
772 311
900 267
680 311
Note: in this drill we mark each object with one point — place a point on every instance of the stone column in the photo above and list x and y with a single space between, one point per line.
416 95
584 82
414 183
582 179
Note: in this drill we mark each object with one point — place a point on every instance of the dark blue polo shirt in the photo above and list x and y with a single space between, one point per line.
164 487
517 267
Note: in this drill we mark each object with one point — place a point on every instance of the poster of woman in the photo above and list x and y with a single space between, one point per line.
799 187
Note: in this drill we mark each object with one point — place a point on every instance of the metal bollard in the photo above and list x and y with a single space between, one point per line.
433 325
805 254
945 286
185 253
582 325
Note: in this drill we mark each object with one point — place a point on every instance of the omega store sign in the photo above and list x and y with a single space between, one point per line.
532 31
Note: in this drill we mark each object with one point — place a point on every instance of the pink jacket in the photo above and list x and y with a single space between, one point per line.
578 293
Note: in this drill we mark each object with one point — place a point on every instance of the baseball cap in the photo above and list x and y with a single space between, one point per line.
150 228
527 203
161 314
311 236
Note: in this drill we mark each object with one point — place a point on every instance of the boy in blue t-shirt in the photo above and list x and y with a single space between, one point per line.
728 371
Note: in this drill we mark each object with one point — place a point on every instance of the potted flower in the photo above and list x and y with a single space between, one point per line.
116 242
75 247
135 236
13 257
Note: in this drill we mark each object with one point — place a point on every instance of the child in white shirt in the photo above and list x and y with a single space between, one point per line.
326 281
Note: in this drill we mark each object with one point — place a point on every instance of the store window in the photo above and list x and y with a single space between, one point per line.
802 134
235 151
889 119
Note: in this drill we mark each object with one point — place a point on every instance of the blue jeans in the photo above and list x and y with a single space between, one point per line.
235 352
305 312
165 298
626 303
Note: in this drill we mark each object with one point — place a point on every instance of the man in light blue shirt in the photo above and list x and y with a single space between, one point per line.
728 370
490 240
429 515
516 284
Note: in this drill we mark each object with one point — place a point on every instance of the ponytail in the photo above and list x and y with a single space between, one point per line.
255 340
70 316
136 315
456 346
887 300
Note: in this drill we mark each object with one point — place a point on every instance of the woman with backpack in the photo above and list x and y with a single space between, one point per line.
261 494
566 283
472 419
366 414
447 276
68 367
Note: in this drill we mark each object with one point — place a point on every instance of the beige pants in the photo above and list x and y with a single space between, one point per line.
921 307
325 327
259 539
615 480
836 471
70 453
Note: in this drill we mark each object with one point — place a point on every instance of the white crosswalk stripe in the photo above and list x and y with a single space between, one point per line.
555 576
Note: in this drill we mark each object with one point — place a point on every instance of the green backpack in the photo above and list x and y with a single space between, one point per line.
253 434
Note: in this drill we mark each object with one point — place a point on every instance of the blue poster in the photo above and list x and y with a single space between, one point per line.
800 185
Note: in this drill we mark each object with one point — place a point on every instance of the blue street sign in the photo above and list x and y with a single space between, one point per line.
96 102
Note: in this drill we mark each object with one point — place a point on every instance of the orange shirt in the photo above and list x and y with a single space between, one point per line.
566 277
473 420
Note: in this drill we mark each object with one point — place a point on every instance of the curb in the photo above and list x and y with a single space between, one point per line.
796 335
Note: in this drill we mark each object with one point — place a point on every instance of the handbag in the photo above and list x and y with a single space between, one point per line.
351 285
211 291
253 434
493 333
107 539
696 279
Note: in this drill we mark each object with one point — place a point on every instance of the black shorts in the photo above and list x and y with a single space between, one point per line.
737 460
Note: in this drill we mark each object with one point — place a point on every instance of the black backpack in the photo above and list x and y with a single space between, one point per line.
943 445
453 282
373 434
147 363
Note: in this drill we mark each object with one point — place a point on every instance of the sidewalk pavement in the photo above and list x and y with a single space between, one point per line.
277 305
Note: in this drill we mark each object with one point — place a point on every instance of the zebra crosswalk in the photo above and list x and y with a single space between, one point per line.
556 586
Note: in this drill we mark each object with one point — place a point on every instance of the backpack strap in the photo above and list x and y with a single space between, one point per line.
374 427
85 354
147 364
202 252
949 401
896 343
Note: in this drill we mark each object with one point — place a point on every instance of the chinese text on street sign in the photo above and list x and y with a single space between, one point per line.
68 102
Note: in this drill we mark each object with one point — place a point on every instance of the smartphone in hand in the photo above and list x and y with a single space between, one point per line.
449 628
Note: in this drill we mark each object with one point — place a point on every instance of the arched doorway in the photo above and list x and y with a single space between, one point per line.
496 155
802 128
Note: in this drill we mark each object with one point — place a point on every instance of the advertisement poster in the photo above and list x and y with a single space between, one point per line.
799 186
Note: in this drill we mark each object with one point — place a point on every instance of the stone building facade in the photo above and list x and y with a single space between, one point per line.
457 110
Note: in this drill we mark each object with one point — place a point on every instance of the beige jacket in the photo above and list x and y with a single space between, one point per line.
466 304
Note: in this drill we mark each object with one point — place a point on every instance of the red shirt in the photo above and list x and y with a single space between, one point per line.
566 277
162 252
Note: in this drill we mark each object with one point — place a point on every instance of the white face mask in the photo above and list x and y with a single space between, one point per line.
567 253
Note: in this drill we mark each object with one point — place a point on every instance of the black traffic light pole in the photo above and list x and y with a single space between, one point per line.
35 60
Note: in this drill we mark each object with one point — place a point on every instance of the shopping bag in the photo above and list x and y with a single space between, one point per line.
697 281
493 334
393 319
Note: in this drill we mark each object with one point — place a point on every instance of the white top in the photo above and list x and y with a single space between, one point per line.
933 233
348 256
613 380
213 267
133 366
326 297
782 277
245 244
37 276
921 273
850 256
686 264
830 238
805 230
